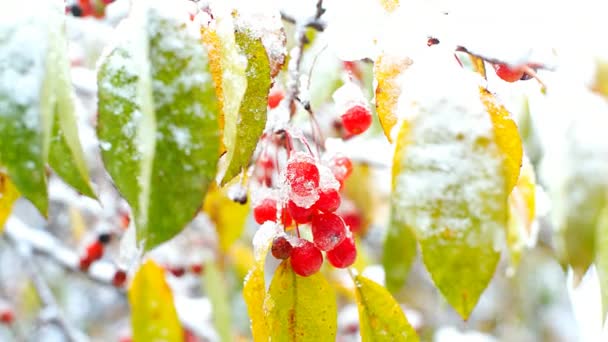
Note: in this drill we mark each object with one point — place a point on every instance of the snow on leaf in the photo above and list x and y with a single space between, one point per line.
229 216
153 314
450 188
8 196
522 211
398 255
387 69
215 288
300 308
158 112
251 118
506 136
254 289
380 316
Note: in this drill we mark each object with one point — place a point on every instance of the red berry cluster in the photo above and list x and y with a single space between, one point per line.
180 271
313 197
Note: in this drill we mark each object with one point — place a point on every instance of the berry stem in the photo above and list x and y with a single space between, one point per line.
528 70
298 229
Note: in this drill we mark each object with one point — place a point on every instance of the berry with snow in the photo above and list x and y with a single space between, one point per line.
356 119
329 200
328 230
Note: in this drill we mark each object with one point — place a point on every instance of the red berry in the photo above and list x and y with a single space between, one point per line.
507 73
328 230
84 263
352 69
285 217
353 221
177 271
95 250
6 316
265 211
124 220
196 269
119 278
306 259
329 200
281 248
125 339
357 119
300 215
302 175
341 167
275 97
344 254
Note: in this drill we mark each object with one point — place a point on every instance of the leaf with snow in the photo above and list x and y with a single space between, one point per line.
300 308
380 316
153 314
229 216
157 120
522 211
450 188
254 289
8 196
241 137
399 253
387 69
215 288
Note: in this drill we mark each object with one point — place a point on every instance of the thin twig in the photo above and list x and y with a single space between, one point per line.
314 24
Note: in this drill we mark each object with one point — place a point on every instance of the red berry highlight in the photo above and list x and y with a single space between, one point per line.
507 73
119 279
357 119
328 230
300 215
281 248
265 211
306 259
275 97
329 200
344 254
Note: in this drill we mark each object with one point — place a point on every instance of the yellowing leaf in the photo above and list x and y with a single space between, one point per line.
506 135
601 257
387 70
8 196
380 316
478 65
153 314
215 286
300 308
601 77
399 253
229 216
254 289
450 189
214 52
241 257
522 203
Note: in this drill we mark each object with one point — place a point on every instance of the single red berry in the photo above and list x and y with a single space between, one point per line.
95 250
300 215
266 162
341 167
265 211
353 221
124 220
344 254
119 278
281 248
508 73
328 230
357 119
302 175
432 41
306 259
7 316
177 271
352 69
84 263
329 200
275 97
196 269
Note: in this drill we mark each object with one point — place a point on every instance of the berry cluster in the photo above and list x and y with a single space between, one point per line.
312 198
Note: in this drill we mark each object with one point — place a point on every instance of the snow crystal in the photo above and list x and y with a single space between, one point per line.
263 238
327 180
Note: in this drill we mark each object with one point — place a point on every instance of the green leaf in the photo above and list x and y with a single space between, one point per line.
157 121
153 314
300 308
380 316
450 186
242 136
399 254
215 285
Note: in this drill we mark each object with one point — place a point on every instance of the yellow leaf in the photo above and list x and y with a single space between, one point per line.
522 211
387 69
380 316
153 314
506 135
8 196
229 216
214 50
241 257
300 308
478 65
389 5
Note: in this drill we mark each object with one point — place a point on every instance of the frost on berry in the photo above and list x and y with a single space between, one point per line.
266 210
341 166
306 259
344 254
329 200
281 247
302 175
352 106
328 230
300 215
